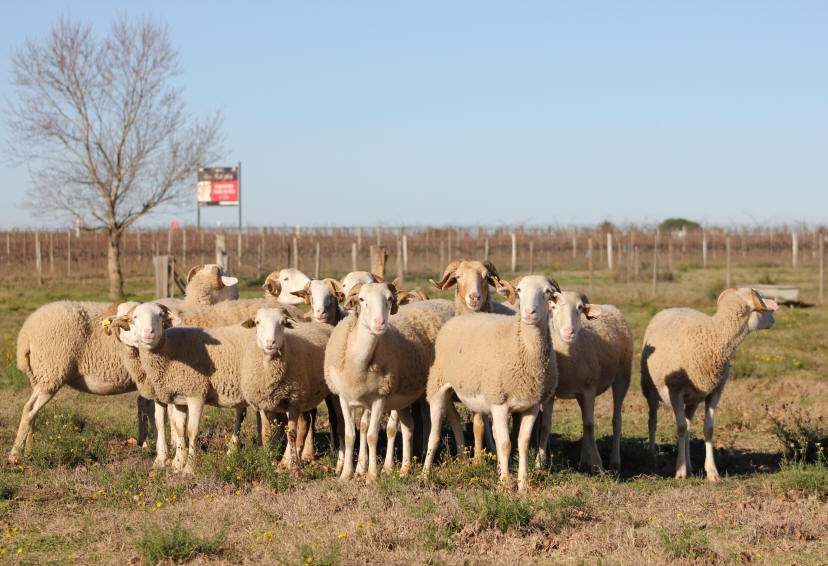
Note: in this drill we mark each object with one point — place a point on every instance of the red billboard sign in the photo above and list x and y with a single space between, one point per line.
218 186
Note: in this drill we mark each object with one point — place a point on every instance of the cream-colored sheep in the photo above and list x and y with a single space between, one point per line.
686 360
472 279
209 284
281 284
355 277
379 359
593 349
63 343
282 370
187 366
497 365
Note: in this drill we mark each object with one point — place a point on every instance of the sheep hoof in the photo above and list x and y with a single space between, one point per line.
404 471
371 477
188 470
14 458
681 474
713 475
159 463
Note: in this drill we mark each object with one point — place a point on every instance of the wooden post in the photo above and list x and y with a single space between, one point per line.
316 262
169 241
377 234
655 260
727 253
670 251
514 252
704 249
631 254
400 270
160 264
359 240
221 250
372 250
201 246
184 248
486 249
531 256
450 252
405 252
794 248
589 255
296 251
51 253
574 243
68 253
821 266
609 250
38 260
442 255
354 248
240 250
8 250
637 262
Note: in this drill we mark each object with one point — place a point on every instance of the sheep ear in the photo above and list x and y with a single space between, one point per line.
507 290
303 293
107 326
112 309
395 304
493 275
351 299
120 322
272 287
168 318
404 297
395 281
333 284
448 278
435 284
420 295
725 293
591 311
288 321
215 278
249 323
229 281
555 285
193 271
761 304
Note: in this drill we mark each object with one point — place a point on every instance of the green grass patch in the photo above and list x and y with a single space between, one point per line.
686 542
176 543
495 509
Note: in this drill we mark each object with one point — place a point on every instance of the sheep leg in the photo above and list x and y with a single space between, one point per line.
304 431
527 424
30 410
500 423
264 428
195 407
334 419
652 424
161 435
348 437
362 460
391 435
489 436
340 449
709 413
233 445
178 422
589 446
677 402
377 408
292 449
479 428
310 421
407 426
437 406
619 391
690 412
456 428
545 429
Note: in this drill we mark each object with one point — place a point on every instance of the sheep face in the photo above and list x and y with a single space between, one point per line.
270 327
282 283
148 321
322 296
534 292
373 304
760 310
123 332
566 311
224 287
347 283
472 279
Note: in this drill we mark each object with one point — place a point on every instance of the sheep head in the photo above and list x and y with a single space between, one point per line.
373 303
566 310
270 325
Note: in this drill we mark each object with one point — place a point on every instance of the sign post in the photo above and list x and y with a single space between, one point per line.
219 186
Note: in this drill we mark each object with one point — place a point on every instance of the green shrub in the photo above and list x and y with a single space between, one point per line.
496 509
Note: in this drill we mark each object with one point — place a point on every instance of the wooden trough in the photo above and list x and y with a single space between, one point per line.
779 293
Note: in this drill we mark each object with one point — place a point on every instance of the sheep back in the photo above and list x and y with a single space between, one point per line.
229 312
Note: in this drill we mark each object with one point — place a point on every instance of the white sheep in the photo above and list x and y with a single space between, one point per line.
281 284
187 366
472 280
355 277
379 359
686 360
282 371
63 343
593 349
497 365
209 284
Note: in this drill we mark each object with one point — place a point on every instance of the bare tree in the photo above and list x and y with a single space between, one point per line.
103 128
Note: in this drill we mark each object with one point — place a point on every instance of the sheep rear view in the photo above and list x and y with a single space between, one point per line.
685 360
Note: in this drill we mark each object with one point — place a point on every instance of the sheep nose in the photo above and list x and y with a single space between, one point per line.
568 332
148 332
270 344
379 324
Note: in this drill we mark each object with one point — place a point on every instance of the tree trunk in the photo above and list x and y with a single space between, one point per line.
116 280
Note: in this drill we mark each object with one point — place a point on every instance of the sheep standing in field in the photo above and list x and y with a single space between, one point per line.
63 343
282 370
497 365
187 366
379 359
472 279
686 360
593 349
209 284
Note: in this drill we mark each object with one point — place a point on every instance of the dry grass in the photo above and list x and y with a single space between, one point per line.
90 496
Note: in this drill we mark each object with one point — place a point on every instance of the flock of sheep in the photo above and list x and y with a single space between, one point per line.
365 344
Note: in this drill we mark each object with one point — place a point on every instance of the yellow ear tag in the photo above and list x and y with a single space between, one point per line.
170 313
106 323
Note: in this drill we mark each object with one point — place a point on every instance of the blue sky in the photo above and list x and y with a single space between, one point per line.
465 113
